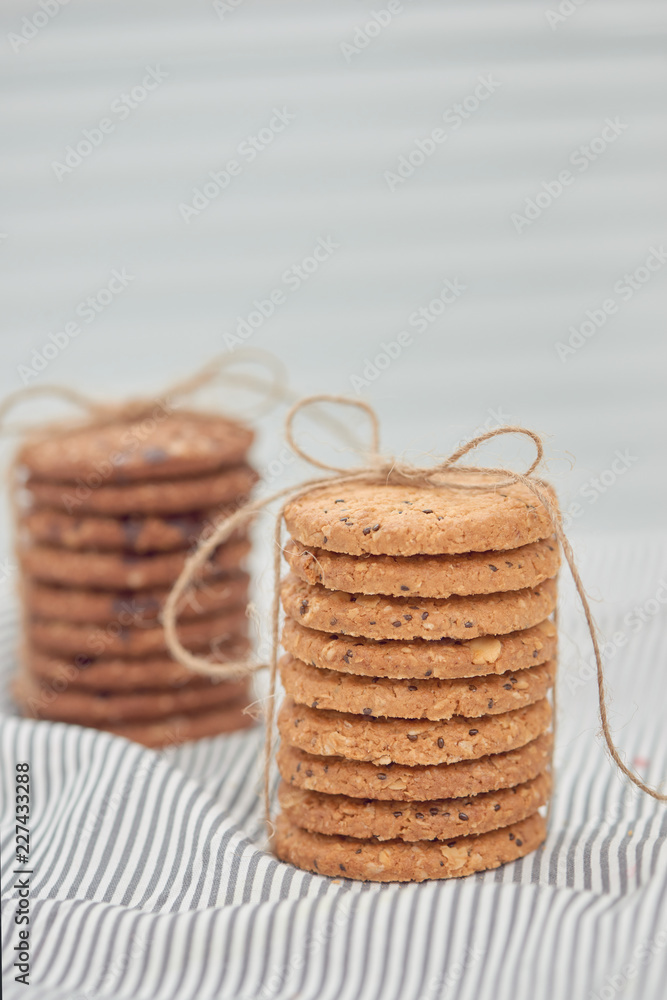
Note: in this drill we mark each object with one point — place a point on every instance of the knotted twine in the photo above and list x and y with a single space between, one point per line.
382 471
97 414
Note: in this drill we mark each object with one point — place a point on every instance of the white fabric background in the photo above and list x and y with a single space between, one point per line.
219 917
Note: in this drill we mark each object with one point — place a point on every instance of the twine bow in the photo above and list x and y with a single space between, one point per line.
378 470
99 414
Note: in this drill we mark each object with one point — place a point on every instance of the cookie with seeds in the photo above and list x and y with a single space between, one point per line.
380 617
414 699
122 673
183 728
402 520
444 658
120 571
71 604
122 638
362 779
434 819
157 497
163 444
125 534
426 575
401 861
40 701
409 741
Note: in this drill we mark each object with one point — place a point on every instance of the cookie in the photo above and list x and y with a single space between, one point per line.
435 819
402 520
444 658
119 639
184 728
379 617
360 779
409 741
400 861
122 674
414 699
163 445
120 571
428 576
100 607
40 701
125 534
167 496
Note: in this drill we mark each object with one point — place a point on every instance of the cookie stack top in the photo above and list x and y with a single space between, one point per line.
419 657
405 520
168 462
107 516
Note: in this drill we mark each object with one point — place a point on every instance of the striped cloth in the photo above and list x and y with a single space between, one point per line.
150 877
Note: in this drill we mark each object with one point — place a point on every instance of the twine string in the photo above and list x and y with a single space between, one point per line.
302 404
64 392
380 471
99 414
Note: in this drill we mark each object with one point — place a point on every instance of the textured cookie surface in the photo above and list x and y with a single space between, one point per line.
121 673
379 617
421 658
426 576
168 496
183 728
360 779
129 534
409 741
400 861
414 699
118 571
118 639
406 520
98 606
164 444
439 819
88 708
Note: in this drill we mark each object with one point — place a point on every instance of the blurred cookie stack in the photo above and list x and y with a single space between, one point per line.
107 515
415 738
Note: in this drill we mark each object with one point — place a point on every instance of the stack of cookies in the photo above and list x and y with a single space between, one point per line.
415 739
107 516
